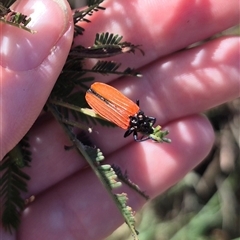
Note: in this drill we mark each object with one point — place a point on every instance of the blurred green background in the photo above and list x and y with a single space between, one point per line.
205 205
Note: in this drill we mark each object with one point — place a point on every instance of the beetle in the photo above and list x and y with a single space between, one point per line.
112 105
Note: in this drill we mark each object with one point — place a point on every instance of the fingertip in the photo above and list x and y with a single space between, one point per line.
192 132
192 140
49 20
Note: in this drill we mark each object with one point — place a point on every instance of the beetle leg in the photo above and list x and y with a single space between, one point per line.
128 132
152 120
135 137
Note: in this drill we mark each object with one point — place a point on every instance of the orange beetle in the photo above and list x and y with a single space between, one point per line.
112 105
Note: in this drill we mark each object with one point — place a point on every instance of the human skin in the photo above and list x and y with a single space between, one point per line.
176 87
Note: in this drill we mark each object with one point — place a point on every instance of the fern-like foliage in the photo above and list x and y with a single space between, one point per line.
105 173
111 67
13 182
124 178
6 4
13 18
105 45
106 39
80 16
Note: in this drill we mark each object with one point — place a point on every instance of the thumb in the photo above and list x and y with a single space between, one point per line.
30 65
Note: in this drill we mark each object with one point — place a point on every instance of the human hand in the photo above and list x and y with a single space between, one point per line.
174 89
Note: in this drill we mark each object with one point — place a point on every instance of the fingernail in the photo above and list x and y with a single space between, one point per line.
21 50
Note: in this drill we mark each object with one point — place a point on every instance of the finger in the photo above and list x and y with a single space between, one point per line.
30 65
79 207
160 27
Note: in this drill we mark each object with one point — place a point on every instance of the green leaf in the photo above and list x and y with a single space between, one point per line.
13 183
